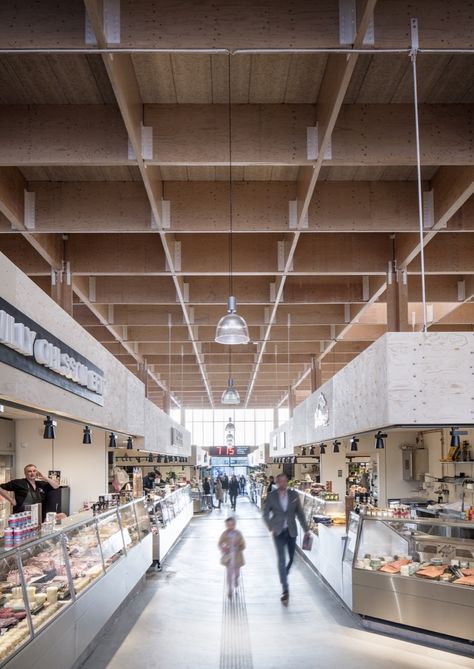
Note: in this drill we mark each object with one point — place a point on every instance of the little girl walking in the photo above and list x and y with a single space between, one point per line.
232 545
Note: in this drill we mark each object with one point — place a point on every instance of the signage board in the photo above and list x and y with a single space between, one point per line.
177 438
27 346
228 451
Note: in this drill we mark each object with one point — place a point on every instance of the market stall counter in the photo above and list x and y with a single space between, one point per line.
60 589
170 513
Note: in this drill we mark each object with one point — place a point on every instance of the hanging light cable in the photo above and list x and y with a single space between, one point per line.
413 55
288 324
232 328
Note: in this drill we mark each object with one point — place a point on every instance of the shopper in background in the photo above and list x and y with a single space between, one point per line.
225 487
271 486
243 483
206 491
232 545
218 492
149 481
233 491
30 490
282 508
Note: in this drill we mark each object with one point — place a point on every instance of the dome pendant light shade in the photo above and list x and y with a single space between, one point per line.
232 328
230 427
230 394
49 431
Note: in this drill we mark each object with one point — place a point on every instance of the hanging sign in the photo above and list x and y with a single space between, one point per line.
27 346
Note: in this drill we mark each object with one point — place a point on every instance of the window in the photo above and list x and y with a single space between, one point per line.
207 427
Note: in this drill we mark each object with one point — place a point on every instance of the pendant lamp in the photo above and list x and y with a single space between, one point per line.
336 445
230 427
232 328
230 394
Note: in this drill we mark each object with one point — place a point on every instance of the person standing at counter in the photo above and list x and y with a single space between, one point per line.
30 490
149 481
282 508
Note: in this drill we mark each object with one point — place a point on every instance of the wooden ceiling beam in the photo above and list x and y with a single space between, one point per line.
264 134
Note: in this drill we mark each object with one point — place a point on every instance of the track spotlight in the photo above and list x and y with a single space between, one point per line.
49 431
303 451
379 440
158 459
354 442
311 450
322 449
129 444
150 457
165 460
87 435
112 440
336 445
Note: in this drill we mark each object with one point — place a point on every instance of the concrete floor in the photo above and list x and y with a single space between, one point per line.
183 620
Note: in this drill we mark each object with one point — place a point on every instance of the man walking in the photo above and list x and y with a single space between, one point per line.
281 509
233 491
225 487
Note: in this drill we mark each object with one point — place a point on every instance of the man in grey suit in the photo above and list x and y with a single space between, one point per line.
282 508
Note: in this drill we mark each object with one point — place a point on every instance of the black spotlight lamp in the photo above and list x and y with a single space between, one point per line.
49 431
336 446
379 440
150 457
112 440
354 442
311 450
303 451
322 449
158 459
455 433
165 460
129 444
87 435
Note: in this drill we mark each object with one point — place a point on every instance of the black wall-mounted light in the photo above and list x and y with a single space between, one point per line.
129 444
303 451
150 457
158 459
112 440
379 440
311 450
455 433
87 435
336 446
49 431
354 442
322 449
165 460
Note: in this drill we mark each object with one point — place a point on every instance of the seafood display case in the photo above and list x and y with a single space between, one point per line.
46 583
414 572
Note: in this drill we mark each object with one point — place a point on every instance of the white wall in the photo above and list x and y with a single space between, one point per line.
84 465
7 435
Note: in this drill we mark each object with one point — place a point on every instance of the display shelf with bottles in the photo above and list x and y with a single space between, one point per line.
51 572
402 565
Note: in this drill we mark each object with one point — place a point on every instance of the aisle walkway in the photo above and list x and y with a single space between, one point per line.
182 619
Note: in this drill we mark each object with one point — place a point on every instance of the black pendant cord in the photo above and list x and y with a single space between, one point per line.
230 181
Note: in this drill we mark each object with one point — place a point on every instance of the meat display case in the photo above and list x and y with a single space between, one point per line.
56 573
414 572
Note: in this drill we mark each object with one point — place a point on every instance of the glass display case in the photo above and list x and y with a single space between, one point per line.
51 572
403 566
321 511
169 516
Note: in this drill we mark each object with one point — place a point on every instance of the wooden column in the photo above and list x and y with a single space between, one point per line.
316 374
397 302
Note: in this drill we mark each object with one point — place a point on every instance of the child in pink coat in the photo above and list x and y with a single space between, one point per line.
232 545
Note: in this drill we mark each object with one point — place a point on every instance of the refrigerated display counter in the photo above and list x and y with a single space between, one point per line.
170 516
59 590
416 572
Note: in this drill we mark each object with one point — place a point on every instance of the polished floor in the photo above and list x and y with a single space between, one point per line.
183 620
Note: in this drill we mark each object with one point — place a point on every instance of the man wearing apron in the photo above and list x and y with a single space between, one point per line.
30 490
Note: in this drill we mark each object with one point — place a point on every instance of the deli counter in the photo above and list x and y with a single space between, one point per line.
409 571
57 591
169 515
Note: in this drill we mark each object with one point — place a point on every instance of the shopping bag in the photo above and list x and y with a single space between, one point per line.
307 542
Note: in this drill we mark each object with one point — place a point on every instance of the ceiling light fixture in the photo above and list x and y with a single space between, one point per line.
87 435
379 440
322 449
303 451
230 427
336 445
49 431
354 442
455 433
112 440
230 394
232 328
312 451
129 444
150 457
